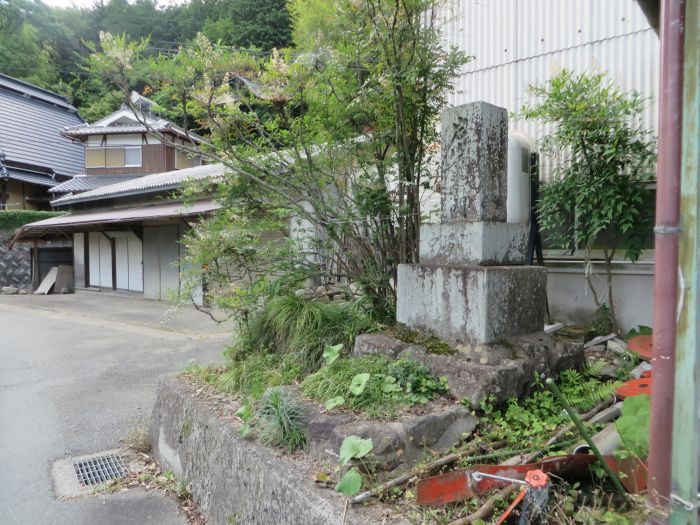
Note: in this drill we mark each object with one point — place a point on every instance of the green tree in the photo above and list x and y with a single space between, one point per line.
262 25
22 53
599 197
335 141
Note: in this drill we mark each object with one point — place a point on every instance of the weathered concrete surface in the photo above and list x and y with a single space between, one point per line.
473 243
78 373
475 151
236 480
503 369
398 445
471 304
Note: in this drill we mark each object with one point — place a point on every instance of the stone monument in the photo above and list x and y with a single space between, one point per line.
472 285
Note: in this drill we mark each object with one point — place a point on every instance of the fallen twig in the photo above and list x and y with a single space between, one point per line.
423 469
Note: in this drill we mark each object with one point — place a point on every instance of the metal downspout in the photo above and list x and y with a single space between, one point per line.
666 258
686 423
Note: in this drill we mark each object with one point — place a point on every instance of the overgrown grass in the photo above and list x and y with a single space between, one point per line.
249 375
291 324
409 383
253 374
279 419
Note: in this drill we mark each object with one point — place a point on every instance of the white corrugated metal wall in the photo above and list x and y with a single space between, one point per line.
516 43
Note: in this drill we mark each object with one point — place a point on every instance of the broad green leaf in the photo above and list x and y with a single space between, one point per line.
358 384
354 447
244 430
331 353
350 484
389 385
335 402
245 411
633 426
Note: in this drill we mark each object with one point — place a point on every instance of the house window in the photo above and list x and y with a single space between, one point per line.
113 157
183 160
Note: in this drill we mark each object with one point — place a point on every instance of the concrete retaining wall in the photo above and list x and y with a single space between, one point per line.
236 480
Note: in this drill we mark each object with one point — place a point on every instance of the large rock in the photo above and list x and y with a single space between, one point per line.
9 290
442 430
472 381
503 369
400 445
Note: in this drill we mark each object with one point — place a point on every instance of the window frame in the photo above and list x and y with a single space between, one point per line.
105 148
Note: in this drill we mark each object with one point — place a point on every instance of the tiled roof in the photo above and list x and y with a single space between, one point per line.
31 120
147 184
90 182
41 179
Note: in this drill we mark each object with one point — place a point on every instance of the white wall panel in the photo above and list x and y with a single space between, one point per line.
105 262
79 259
121 245
517 43
94 257
135 264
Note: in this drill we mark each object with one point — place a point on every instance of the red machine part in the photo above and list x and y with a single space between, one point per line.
458 485
634 387
640 345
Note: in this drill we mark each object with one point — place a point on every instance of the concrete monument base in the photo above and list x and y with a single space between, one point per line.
484 243
470 303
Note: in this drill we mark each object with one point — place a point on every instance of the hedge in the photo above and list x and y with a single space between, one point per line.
10 220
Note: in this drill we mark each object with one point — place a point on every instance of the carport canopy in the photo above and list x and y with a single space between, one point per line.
75 222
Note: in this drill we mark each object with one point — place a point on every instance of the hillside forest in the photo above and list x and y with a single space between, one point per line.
49 46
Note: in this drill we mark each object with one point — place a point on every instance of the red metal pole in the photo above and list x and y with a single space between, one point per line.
666 256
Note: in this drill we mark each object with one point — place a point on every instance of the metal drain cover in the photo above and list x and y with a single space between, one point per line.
98 469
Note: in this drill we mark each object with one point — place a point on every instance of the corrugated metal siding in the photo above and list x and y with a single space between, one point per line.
516 43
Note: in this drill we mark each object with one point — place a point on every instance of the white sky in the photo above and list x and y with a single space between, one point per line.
89 3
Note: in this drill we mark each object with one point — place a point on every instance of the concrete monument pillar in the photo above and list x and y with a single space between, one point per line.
471 285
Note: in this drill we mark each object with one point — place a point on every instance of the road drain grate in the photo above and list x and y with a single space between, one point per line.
93 471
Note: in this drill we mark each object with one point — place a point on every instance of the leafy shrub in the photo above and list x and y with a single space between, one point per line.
291 324
633 426
418 383
374 385
530 421
10 220
279 417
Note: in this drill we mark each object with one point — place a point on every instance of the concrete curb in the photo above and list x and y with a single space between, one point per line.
236 480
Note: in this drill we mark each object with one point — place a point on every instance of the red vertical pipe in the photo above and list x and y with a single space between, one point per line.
667 233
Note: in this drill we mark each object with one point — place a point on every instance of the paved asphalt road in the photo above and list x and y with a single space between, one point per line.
76 373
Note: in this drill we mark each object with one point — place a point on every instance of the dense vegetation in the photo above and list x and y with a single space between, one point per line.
48 46
10 220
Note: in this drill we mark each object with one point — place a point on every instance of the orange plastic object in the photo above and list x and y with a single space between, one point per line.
640 345
645 375
536 479
512 506
634 387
